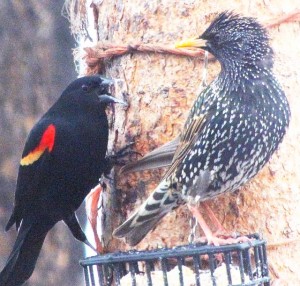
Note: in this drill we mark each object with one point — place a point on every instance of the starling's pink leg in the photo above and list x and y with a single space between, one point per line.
212 239
220 229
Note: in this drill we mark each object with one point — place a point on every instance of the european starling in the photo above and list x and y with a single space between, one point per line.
63 158
233 128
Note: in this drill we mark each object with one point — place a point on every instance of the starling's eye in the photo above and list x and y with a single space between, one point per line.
216 37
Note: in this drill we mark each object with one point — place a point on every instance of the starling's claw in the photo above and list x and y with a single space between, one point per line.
213 239
218 241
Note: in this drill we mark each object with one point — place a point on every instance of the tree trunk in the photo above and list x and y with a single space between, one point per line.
161 89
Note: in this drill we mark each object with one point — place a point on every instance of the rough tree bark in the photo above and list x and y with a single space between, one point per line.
161 90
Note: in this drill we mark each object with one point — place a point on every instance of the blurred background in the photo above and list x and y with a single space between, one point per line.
36 65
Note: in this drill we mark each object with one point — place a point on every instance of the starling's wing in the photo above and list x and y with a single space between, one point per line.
33 168
164 155
192 128
187 140
162 200
158 158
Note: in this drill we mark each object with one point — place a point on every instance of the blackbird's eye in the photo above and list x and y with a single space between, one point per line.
97 86
86 87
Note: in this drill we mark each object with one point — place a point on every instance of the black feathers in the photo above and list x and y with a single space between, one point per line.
63 158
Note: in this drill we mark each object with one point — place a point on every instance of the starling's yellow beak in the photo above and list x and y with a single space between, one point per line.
193 42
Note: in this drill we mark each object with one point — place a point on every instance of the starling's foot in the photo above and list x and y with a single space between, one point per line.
211 238
222 236
222 233
218 241
218 234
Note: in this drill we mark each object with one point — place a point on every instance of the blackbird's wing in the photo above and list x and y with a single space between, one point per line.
33 168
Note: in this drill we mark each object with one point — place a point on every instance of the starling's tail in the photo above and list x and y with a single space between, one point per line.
21 262
158 204
158 158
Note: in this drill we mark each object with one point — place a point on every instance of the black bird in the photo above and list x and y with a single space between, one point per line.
63 158
233 128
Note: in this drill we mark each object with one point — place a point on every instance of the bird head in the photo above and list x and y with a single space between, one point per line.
232 38
95 89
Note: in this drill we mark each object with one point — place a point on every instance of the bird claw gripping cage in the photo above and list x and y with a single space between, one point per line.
188 265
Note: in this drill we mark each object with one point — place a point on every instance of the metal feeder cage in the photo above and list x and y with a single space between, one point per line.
187 265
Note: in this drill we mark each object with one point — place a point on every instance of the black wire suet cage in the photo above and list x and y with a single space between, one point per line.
188 265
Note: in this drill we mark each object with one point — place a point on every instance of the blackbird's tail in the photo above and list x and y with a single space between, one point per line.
21 262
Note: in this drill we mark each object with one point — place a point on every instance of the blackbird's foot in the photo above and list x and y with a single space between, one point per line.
104 180
123 156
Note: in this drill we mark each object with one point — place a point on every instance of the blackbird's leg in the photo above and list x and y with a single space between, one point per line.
92 202
211 238
115 159
75 228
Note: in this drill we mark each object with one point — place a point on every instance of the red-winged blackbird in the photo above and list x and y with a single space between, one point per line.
232 130
63 158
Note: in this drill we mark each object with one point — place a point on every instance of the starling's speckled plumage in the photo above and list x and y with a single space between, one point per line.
232 130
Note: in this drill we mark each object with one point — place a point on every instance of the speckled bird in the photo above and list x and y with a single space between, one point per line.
232 130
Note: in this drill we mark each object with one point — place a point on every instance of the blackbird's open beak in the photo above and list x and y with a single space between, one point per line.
107 81
106 98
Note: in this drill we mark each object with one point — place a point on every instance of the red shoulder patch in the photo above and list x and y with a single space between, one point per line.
46 143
